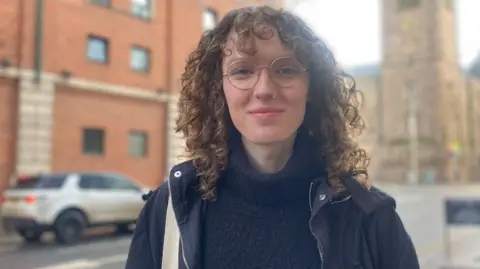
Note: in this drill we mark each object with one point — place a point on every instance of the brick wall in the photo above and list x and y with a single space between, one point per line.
76 109
8 116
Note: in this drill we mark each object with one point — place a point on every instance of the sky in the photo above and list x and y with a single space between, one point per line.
352 28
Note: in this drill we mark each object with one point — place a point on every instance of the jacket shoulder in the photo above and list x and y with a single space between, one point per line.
183 183
386 233
155 208
180 175
147 238
161 191
381 197
370 199
186 168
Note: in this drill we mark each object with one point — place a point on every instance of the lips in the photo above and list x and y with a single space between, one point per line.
265 112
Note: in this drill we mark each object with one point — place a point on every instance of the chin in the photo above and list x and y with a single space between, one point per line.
268 137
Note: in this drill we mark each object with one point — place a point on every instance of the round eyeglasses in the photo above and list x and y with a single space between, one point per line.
284 72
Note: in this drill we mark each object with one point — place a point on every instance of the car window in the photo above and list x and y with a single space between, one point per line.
118 182
93 181
40 182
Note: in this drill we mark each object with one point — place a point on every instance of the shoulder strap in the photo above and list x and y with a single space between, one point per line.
171 238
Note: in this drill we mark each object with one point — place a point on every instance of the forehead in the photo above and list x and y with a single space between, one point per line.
265 48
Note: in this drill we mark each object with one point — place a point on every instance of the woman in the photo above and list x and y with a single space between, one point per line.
276 178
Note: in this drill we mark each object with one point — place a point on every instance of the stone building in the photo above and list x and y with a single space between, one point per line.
421 107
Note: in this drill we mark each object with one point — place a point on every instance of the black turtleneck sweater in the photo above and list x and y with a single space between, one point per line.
261 220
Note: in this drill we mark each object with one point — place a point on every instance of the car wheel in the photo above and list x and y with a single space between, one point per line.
123 228
30 235
69 227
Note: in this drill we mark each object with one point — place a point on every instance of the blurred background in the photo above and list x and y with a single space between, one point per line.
88 92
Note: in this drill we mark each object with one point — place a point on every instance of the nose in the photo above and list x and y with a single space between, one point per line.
265 88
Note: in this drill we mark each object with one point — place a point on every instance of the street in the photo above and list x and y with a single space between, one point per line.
106 252
420 209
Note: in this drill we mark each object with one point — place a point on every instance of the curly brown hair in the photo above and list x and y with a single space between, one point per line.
333 98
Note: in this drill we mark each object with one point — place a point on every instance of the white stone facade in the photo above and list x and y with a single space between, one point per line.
176 143
35 121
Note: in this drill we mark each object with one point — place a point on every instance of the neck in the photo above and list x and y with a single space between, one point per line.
269 158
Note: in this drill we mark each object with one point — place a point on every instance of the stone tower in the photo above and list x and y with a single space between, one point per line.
423 92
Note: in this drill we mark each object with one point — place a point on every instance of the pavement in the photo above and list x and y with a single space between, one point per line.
421 210
420 207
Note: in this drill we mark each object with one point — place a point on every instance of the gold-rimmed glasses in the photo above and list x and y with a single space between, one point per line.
283 71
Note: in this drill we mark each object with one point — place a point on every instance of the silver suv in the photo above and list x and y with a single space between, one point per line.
68 203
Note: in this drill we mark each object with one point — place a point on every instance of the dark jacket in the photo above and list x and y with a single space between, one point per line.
361 229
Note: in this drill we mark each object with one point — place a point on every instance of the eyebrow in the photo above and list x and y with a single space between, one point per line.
233 58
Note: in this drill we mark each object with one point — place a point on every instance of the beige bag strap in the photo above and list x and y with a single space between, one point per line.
171 239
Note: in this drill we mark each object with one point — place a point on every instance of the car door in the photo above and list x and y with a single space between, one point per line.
95 197
128 197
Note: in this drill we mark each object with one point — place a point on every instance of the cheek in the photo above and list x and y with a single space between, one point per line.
236 99
297 99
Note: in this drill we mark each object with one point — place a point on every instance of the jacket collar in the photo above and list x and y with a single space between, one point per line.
184 189
367 200
188 207
186 193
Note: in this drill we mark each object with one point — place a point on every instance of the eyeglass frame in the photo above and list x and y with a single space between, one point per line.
261 67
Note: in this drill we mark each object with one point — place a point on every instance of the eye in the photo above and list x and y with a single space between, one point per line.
288 70
286 67
242 69
241 72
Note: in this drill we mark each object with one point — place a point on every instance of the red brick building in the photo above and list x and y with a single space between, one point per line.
91 84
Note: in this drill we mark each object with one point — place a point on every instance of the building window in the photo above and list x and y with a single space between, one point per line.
105 3
140 59
209 19
93 141
137 143
97 50
142 8
407 4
